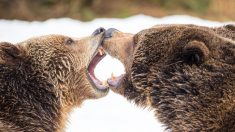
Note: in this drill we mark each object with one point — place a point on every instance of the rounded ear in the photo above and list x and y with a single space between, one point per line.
195 52
9 53
230 27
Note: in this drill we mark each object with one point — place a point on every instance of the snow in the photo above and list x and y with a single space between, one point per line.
111 113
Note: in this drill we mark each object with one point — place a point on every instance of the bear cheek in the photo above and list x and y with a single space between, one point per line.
81 54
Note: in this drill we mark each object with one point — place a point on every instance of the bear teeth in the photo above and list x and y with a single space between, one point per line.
112 76
104 83
101 51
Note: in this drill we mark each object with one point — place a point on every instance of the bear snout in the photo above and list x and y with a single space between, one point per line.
98 31
109 32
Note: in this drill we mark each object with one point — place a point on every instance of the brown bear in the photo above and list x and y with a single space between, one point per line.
42 79
185 73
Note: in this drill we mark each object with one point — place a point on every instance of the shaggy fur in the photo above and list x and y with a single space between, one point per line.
42 79
186 73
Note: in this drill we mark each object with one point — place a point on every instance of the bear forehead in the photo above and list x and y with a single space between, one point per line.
173 36
47 39
169 30
167 42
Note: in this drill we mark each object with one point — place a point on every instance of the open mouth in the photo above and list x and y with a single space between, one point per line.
99 55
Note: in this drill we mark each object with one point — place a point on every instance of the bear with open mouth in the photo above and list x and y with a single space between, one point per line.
185 73
42 79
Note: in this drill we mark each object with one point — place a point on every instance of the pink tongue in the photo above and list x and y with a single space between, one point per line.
115 82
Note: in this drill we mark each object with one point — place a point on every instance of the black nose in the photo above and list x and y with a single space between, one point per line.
98 31
109 32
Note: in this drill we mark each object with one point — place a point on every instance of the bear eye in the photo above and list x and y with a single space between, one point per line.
69 41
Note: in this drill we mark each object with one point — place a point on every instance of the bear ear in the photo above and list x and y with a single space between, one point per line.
9 53
195 52
230 27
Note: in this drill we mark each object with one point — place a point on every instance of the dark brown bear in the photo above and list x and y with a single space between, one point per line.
44 78
185 73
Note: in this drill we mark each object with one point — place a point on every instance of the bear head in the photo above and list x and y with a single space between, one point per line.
186 73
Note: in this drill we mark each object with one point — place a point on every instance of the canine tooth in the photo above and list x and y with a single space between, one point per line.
101 51
113 77
104 83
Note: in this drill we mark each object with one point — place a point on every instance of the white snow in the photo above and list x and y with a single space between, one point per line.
111 113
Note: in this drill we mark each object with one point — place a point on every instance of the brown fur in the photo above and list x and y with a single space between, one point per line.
42 79
186 73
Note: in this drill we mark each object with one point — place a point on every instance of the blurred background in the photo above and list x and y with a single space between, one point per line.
85 10
111 113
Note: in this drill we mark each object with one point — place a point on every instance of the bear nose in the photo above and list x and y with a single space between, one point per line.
109 32
98 31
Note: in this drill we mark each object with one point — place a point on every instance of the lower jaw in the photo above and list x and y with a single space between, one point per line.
100 92
116 81
100 89
97 88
